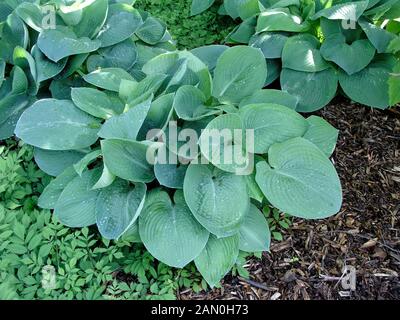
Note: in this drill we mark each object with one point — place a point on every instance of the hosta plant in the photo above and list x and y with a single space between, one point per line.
132 156
317 48
45 45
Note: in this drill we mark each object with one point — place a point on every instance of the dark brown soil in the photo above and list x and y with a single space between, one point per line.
308 264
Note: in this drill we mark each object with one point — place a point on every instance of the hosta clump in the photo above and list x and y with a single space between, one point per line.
203 211
44 44
315 46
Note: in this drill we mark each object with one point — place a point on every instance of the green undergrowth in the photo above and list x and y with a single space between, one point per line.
36 249
189 31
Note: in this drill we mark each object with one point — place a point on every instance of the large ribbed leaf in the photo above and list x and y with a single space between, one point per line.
59 43
52 124
52 192
322 134
198 6
240 71
122 55
379 37
217 258
351 10
272 123
127 160
76 206
254 234
128 124
280 20
151 31
122 22
169 231
55 162
209 54
313 90
270 43
208 193
350 57
300 180
223 143
370 86
45 68
301 53
189 104
93 102
118 207
271 96
108 78
170 175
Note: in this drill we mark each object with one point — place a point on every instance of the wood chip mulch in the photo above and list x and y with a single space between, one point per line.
365 235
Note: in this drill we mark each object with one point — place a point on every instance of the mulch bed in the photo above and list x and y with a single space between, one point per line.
309 263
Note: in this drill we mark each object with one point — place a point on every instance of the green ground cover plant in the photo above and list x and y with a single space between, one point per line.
189 31
319 47
87 95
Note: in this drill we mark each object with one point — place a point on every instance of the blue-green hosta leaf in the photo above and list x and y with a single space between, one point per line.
126 125
31 14
159 114
322 134
280 20
274 70
74 63
379 37
14 33
122 55
122 22
300 180
2 71
24 60
151 31
189 104
394 85
370 86
55 162
118 207
90 157
223 143
52 192
45 68
351 10
127 160
217 258
352 58
243 32
169 231
312 90
52 124
270 43
272 123
240 71
208 193
252 186
93 102
108 78
11 108
131 91
92 19
19 81
198 6
132 234
209 54
76 206
254 234
241 8
61 89
170 175
59 43
106 179
271 96
301 53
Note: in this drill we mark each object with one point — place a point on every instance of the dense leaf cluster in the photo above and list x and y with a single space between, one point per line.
95 86
319 47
